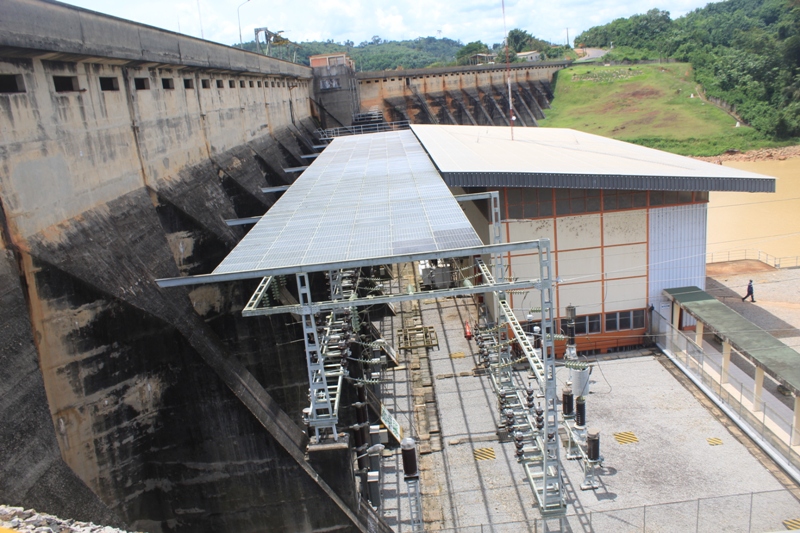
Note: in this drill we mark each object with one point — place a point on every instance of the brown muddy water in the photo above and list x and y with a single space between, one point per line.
766 222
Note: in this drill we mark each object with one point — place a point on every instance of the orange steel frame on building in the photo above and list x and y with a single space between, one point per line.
603 341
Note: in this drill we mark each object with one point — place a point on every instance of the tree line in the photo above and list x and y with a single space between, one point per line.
422 52
745 52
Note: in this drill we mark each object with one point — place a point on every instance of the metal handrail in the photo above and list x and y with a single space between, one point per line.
326 135
758 255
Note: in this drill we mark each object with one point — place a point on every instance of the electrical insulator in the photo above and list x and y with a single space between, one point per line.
509 418
518 443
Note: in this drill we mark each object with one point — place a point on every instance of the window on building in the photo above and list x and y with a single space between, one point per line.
188 83
220 84
529 203
109 84
638 318
259 83
575 201
141 84
232 84
65 84
205 84
11 83
167 83
251 83
623 320
587 324
617 200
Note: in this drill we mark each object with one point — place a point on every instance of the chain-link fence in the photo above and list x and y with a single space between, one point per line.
757 512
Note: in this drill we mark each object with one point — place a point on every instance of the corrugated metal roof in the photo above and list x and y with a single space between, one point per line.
762 349
485 156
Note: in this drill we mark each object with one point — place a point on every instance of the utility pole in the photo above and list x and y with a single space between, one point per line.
239 18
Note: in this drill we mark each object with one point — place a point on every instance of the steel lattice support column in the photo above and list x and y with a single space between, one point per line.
552 500
322 415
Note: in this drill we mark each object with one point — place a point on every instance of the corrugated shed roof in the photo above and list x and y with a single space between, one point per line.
777 359
485 156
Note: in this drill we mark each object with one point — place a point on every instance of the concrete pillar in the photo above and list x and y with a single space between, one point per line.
698 334
794 439
676 315
726 361
759 389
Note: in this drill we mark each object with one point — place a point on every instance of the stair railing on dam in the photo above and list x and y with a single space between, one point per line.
329 134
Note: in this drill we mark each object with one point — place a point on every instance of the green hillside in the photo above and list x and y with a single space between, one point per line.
651 105
746 52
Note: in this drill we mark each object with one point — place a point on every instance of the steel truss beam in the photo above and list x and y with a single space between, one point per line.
315 307
339 265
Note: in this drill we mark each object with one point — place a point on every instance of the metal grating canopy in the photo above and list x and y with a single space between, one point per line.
364 197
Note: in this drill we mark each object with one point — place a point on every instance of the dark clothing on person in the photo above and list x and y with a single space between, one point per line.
749 292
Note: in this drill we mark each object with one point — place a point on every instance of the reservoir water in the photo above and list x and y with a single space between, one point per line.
766 222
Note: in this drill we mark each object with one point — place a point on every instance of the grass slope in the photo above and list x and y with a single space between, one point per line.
649 105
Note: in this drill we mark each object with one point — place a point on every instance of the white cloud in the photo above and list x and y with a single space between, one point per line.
359 20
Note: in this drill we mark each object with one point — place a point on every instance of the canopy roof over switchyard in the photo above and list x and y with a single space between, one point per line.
481 156
778 360
366 200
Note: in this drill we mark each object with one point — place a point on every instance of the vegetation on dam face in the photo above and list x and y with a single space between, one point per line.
657 105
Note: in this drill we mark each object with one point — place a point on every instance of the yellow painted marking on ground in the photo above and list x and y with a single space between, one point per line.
714 441
484 454
4 530
626 437
792 524
457 355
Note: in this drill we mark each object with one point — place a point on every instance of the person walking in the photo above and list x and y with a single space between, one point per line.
749 292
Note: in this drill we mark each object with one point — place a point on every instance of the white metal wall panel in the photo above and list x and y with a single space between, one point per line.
677 248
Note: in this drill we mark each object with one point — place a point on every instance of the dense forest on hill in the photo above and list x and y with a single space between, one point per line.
377 53
745 52
422 52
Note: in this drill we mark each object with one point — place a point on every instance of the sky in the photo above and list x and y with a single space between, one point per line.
360 20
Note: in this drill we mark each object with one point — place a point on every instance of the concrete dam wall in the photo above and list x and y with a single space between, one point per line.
474 95
123 148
